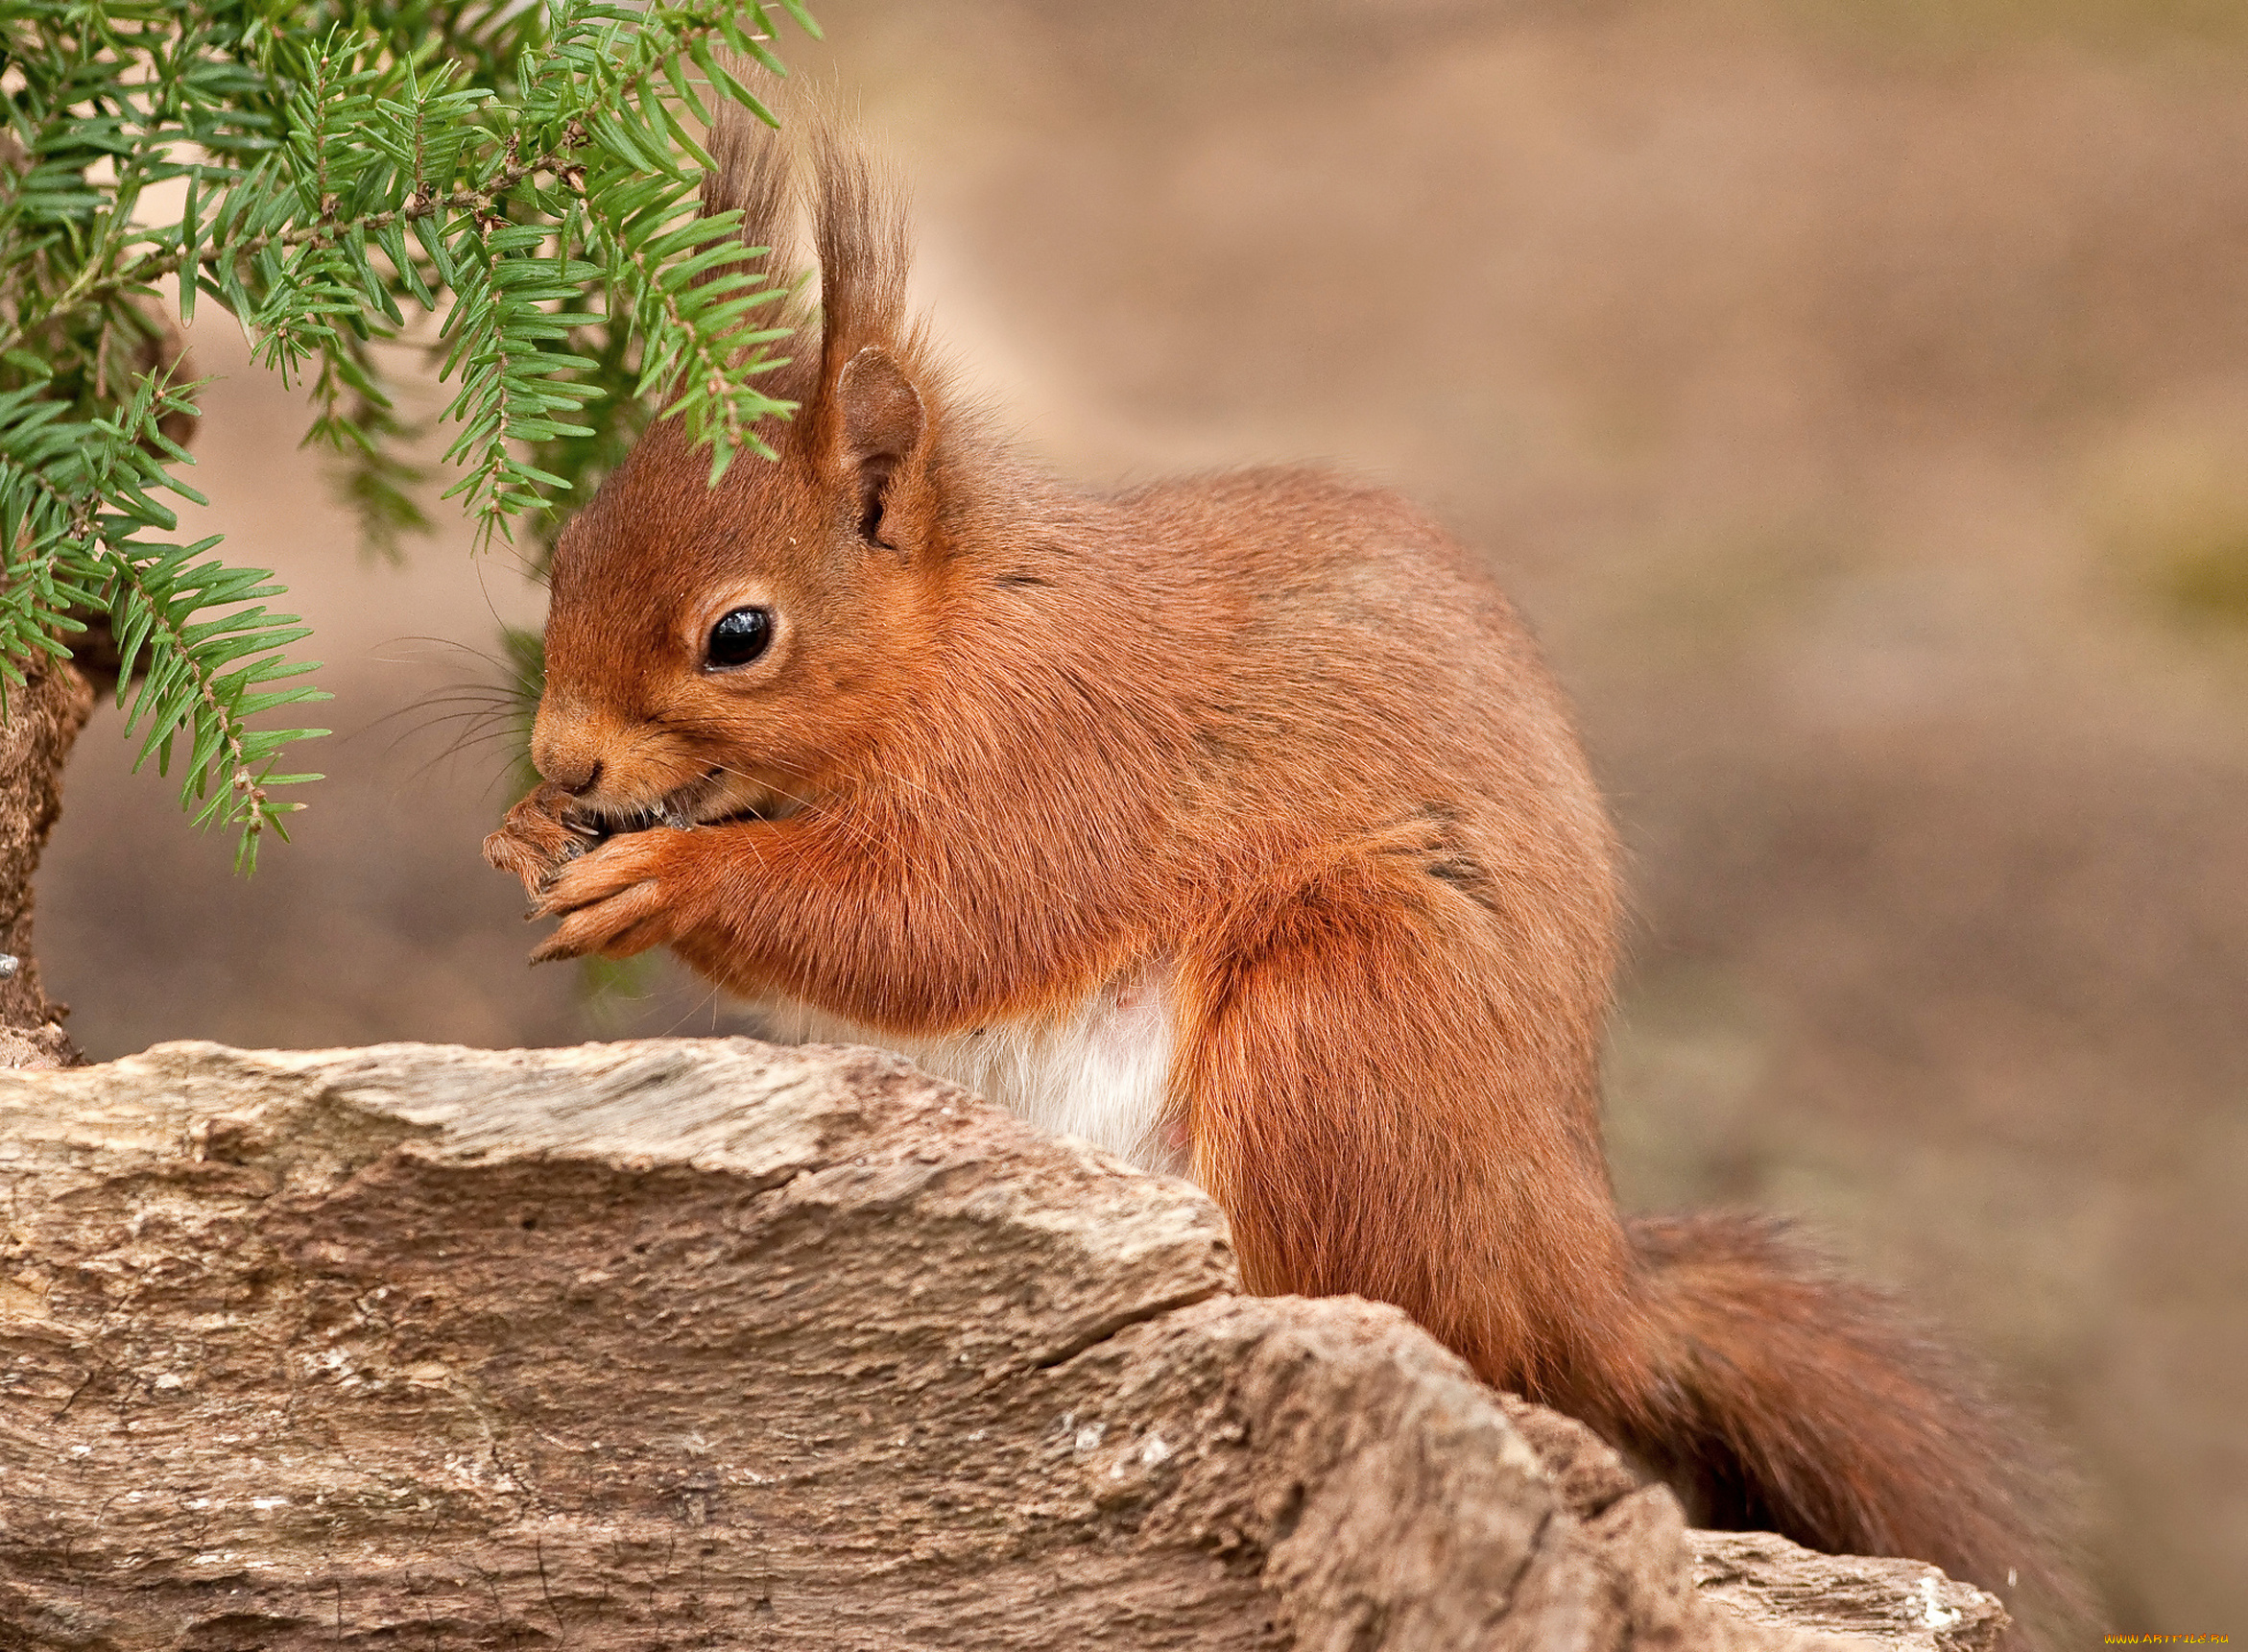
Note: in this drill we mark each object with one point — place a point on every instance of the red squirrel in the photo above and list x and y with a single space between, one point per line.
1232 824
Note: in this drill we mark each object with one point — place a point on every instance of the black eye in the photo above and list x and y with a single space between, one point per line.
740 637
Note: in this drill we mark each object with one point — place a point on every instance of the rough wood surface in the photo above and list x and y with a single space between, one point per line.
1908 1606
38 726
716 1344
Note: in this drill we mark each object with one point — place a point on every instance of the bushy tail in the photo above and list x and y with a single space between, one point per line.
1790 1400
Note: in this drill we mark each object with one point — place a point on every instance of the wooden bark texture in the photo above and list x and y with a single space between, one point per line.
715 1344
41 724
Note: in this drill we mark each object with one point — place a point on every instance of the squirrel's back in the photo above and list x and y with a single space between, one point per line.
1335 656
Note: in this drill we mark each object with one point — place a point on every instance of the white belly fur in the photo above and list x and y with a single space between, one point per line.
1100 1072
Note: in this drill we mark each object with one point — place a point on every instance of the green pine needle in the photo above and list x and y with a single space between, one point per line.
526 174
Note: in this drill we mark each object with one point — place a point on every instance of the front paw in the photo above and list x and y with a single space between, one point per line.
629 894
539 838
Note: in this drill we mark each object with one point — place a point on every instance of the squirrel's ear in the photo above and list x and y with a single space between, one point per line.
881 425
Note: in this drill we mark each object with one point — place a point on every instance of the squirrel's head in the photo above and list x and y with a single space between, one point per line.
713 652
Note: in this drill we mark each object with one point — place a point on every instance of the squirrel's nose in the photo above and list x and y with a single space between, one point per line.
572 764
576 778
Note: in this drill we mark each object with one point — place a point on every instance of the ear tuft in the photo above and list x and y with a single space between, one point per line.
882 423
751 170
858 218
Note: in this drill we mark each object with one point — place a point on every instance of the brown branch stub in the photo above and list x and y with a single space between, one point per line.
40 725
716 1343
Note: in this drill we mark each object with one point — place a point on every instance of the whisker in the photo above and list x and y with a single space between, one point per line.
429 701
479 726
438 715
452 752
709 1002
456 646
474 701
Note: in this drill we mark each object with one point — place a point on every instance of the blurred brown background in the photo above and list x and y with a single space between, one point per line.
1855 393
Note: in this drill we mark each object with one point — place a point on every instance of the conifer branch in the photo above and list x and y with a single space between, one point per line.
145 272
524 171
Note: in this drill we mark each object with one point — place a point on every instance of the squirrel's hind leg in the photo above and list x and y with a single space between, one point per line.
1381 1111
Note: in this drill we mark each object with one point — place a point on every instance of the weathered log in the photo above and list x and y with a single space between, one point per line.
718 1344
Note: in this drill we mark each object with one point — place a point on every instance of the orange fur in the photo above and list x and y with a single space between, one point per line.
1273 731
